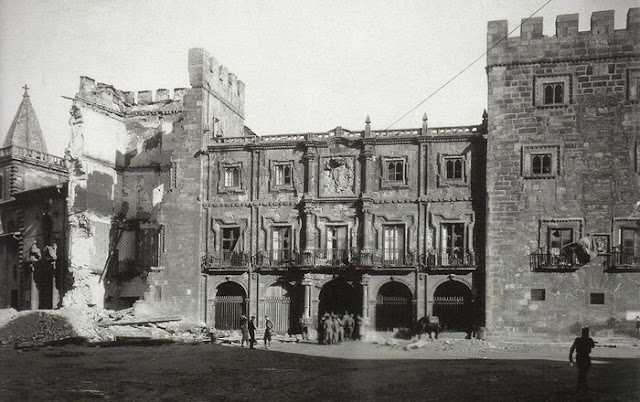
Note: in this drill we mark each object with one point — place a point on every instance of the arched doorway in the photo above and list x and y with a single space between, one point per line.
394 307
452 303
282 305
229 306
339 296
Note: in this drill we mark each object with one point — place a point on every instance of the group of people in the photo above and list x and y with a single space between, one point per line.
248 329
333 328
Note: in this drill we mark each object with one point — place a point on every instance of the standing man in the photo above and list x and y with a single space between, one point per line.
268 329
244 328
304 324
638 325
582 346
252 332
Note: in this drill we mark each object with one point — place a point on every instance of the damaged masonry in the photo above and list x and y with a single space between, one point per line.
167 210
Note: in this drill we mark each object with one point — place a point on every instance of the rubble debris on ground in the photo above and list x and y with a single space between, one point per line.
37 328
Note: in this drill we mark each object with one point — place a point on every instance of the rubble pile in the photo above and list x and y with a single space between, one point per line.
40 327
35 328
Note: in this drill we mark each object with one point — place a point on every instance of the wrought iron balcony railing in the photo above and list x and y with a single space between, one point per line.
623 260
444 260
225 259
336 258
565 260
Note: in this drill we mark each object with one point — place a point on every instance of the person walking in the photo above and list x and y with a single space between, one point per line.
268 329
582 346
252 332
244 328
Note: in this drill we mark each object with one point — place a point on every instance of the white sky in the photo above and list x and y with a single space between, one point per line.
307 65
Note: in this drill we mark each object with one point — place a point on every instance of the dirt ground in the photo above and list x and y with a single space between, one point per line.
454 370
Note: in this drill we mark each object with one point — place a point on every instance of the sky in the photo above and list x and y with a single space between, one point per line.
308 66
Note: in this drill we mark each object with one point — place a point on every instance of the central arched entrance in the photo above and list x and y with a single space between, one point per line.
339 296
394 307
452 303
229 306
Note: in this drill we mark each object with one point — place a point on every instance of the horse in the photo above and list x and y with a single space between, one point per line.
427 325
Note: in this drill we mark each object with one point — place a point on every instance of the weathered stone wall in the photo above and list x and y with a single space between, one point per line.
592 135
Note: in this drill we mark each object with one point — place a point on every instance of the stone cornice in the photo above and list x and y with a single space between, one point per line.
545 60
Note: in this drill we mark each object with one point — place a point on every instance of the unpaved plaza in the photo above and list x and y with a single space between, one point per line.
448 370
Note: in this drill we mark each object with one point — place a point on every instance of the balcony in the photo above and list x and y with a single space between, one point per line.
340 259
568 259
225 261
437 261
623 261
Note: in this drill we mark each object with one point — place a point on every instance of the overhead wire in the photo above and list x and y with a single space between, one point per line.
469 65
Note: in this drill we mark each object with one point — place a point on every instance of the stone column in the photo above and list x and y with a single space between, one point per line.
211 306
311 174
367 158
309 228
307 282
368 241
366 278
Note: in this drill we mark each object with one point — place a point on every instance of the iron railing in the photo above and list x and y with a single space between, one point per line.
336 258
621 259
437 259
543 260
225 259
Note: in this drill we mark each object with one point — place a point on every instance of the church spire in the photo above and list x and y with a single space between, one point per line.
25 130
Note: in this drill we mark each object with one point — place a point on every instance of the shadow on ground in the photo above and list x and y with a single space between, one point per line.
218 373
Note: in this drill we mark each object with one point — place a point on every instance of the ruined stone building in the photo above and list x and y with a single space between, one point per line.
32 210
169 203
563 157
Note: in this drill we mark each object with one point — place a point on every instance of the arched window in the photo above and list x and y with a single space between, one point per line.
395 171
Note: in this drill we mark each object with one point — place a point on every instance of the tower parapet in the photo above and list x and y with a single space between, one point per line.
601 41
206 72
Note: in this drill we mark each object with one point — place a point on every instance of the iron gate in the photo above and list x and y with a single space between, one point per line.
228 312
454 312
393 312
278 308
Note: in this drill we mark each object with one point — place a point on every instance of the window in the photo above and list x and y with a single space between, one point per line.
553 93
552 90
452 243
395 171
281 243
393 244
218 128
283 174
1 187
629 246
232 176
596 298
174 174
337 244
541 164
230 237
558 238
540 161
538 294
454 168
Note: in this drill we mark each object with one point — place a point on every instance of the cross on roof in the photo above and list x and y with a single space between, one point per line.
26 88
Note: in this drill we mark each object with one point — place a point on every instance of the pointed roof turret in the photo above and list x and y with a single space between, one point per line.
25 130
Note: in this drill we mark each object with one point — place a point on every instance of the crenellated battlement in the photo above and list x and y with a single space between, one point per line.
206 72
601 41
127 101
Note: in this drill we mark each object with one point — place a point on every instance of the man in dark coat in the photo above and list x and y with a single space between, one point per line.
582 346
252 332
